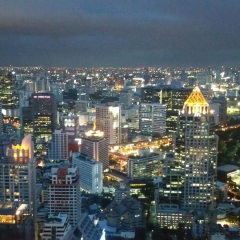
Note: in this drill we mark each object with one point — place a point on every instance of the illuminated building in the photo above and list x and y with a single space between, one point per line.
64 193
18 176
190 178
196 151
108 120
70 125
95 145
15 223
173 98
9 95
44 108
152 118
57 227
90 171
143 166
58 146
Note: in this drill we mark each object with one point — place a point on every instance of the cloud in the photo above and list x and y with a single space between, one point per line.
119 33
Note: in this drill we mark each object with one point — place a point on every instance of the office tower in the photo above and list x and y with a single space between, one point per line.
173 98
70 125
58 146
188 180
146 165
152 118
95 146
57 90
44 109
1 119
57 227
108 119
6 141
64 193
90 171
9 95
196 151
18 177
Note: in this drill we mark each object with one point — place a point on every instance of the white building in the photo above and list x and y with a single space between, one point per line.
90 171
58 147
64 193
57 227
70 125
152 118
95 145
108 120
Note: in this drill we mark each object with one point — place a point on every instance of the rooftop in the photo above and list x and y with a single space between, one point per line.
228 168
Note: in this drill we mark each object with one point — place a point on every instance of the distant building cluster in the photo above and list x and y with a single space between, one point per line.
95 153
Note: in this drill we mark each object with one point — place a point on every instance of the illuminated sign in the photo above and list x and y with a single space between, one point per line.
41 96
138 184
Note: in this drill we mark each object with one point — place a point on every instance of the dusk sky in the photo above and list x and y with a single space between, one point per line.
120 33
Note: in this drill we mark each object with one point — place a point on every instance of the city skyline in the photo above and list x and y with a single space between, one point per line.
100 34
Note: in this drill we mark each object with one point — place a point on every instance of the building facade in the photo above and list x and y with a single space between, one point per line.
44 111
58 147
152 118
90 171
64 193
145 165
108 120
95 145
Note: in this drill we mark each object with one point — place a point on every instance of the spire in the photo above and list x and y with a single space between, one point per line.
196 102
94 125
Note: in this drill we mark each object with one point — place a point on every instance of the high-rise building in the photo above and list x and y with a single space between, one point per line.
95 145
70 125
196 151
18 177
90 171
64 193
44 109
173 98
152 118
146 165
58 146
190 178
9 95
108 119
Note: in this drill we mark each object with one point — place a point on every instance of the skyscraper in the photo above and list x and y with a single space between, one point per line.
18 177
64 193
44 109
189 179
196 152
9 95
95 145
108 119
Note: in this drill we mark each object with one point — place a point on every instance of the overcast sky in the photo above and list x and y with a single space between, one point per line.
119 33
